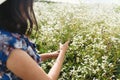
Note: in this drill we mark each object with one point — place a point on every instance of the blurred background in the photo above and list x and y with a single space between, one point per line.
93 26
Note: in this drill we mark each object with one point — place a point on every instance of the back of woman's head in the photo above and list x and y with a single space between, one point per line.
17 16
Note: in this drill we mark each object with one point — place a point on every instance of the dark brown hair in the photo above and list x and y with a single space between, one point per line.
17 16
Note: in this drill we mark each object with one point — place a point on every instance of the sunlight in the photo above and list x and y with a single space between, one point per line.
1 1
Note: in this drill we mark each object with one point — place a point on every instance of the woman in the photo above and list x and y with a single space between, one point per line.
18 57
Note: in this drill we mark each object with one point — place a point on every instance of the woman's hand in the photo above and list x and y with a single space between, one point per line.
53 55
64 47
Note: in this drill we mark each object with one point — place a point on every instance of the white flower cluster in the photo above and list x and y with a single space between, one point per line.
94 30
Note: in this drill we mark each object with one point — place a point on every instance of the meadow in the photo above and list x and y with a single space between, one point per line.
94 31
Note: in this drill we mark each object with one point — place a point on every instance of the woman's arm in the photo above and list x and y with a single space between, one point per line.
21 64
52 55
55 70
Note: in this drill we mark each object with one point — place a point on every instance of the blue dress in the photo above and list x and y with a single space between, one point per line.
8 42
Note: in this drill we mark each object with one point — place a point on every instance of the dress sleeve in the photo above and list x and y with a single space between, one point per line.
7 44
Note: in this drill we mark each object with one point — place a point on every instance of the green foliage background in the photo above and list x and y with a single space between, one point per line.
94 30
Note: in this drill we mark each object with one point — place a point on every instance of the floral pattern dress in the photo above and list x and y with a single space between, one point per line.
8 42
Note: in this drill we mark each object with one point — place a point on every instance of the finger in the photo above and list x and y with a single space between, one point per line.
67 42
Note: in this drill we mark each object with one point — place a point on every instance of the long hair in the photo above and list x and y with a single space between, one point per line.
17 16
